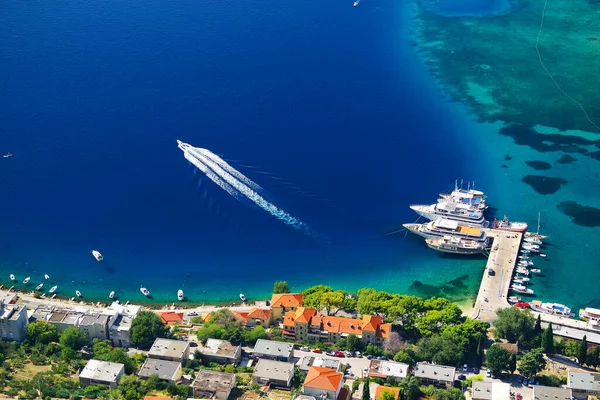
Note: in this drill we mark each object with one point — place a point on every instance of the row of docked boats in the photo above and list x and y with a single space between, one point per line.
457 222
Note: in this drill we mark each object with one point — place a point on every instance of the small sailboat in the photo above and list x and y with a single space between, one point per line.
97 255
145 291
111 295
53 289
180 295
38 287
12 277
78 293
46 276
26 281
242 297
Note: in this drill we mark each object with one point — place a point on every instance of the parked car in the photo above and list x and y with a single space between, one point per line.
464 369
519 379
488 373
193 314
475 370
338 353
316 350
365 372
349 354
383 358
304 348
462 377
348 366
349 373
330 353
519 396
525 382
357 354
369 357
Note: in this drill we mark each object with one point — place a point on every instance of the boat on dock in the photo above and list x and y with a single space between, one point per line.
180 295
97 255
519 288
78 293
242 297
451 210
506 225
536 235
522 280
26 280
456 245
525 251
533 241
145 291
470 196
522 270
444 227
38 287
12 277
551 308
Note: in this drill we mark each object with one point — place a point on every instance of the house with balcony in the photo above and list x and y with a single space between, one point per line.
13 321
322 383
259 316
284 302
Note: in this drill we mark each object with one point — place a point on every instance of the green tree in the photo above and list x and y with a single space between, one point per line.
404 356
409 388
366 392
571 348
251 336
497 359
593 356
312 295
548 340
73 338
332 300
353 343
537 329
513 324
583 348
41 332
512 365
281 287
387 395
532 363
355 385
145 328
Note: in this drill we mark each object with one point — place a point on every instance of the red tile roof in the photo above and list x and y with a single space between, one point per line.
286 300
260 313
304 315
323 378
170 318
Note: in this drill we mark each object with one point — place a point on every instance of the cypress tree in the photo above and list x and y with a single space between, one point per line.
548 340
512 364
366 393
537 329
595 355
479 354
583 351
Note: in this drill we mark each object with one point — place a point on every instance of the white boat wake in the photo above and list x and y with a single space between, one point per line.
223 164
231 182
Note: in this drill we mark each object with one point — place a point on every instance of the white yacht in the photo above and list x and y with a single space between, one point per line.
180 295
551 308
242 297
26 281
97 255
451 210
522 270
12 277
111 295
456 245
356 3
533 241
444 227
38 287
145 291
519 288
522 280
471 197
506 225
536 270
53 289
78 293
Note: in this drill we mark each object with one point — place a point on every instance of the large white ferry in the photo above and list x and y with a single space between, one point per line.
444 227
473 198
551 308
452 210
456 245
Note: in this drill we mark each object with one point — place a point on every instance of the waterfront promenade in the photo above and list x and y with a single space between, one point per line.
493 291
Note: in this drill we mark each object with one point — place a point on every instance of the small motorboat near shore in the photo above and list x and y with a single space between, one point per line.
242 297
78 293
46 276
111 295
145 291
52 289
26 280
180 295
12 277
38 287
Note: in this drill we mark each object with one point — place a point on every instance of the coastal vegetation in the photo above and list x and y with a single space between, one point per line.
145 328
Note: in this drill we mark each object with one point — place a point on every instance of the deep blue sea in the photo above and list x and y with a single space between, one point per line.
325 105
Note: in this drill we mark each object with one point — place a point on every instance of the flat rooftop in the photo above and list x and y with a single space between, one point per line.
274 370
388 368
273 348
57 316
168 348
72 318
91 319
551 393
435 372
165 370
586 381
309 361
219 347
212 381
102 371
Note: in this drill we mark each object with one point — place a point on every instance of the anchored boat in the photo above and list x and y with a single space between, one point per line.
145 291
97 255
506 225
456 245
180 295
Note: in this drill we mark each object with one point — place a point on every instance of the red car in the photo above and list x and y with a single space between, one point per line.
338 353
316 350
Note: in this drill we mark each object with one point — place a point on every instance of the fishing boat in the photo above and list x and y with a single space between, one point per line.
46 277
97 255
26 281
38 287
53 289
12 277
552 308
456 245
111 295
7 155
145 291
519 288
180 295
514 299
242 297
78 293
536 270
506 225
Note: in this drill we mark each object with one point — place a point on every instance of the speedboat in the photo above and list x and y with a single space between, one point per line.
533 240
519 288
12 277
145 291
536 270
531 246
46 276
52 289
7 155
514 299
97 255
506 225
521 279
525 251
38 287
78 293
542 255
526 263
180 295
356 3
26 281
242 297
111 295
524 271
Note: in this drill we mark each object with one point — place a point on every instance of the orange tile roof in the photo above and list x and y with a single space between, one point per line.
371 323
260 313
240 316
384 330
381 389
317 320
206 316
289 319
170 318
342 325
286 300
323 378
304 315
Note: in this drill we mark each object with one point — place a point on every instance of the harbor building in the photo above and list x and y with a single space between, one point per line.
322 383
221 351
273 350
273 373
284 302
437 375
491 391
551 393
13 321
169 371
213 385
101 373
170 350
583 384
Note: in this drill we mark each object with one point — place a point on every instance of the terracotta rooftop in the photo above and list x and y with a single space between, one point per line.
370 323
286 300
304 315
170 318
260 313
323 378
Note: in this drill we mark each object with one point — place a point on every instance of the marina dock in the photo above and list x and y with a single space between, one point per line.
493 292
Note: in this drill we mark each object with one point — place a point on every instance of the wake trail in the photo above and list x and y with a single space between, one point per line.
245 190
223 164
212 176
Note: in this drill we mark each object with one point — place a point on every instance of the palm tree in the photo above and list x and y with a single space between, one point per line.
410 388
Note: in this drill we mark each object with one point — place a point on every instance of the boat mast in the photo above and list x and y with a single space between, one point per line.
538 231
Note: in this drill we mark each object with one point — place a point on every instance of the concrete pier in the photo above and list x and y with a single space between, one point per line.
493 292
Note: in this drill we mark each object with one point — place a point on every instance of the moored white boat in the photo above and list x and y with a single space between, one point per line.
471 197
53 289
453 211
180 295
525 251
522 279
97 255
78 293
445 227
506 225
46 277
455 245
242 297
145 291
12 277
38 287
536 270
524 271
514 299
111 295
551 308
519 288
533 241
26 280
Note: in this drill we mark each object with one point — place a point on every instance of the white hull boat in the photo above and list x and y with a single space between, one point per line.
445 227
145 291
536 270
242 297
506 225
97 255
38 287
521 289
111 295
12 277
180 295
78 293
552 308
533 241
453 211
52 289
26 281
455 245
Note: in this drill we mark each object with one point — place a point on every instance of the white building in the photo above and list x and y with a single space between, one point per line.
119 323
101 373
13 321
